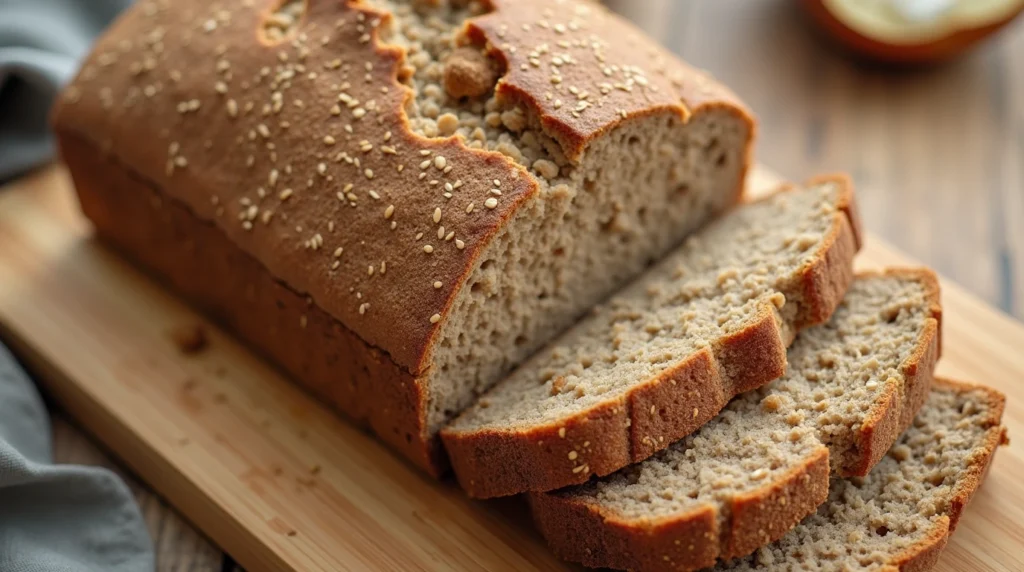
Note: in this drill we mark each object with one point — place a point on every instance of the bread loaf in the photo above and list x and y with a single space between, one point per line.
659 360
752 473
397 201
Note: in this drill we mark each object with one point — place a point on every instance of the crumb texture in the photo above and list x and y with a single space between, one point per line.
839 372
868 523
717 284
836 373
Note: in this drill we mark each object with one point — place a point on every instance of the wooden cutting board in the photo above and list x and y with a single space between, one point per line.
282 484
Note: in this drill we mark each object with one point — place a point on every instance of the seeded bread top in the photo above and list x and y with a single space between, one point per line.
284 124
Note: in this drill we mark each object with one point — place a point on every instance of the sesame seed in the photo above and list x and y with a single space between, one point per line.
428 249
561 432
759 474
328 140
373 194
440 232
578 469
491 203
425 164
459 244
390 210
368 173
871 384
437 284
573 455
285 194
369 270
263 130
440 162
338 251
450 235
437 215
435 318
469 208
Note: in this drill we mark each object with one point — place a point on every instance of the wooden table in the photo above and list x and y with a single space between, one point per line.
938 156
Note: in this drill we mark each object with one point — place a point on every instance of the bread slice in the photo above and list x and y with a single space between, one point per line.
901 515
763 464
664 356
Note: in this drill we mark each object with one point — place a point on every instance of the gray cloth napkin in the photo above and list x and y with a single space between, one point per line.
41 42
53 518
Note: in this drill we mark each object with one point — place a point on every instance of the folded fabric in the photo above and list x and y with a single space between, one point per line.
58 518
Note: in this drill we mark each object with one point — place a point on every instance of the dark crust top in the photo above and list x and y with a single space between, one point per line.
183 93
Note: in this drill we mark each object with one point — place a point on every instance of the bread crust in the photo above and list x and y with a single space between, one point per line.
889 419
650 416
194 258
757 519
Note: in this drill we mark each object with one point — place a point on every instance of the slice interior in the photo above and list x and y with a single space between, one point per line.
763 463
900 514
731 299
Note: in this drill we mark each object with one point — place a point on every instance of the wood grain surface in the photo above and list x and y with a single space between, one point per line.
281 483
938 156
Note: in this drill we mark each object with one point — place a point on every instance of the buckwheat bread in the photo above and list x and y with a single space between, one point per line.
763 464
902 514
664 356
411 196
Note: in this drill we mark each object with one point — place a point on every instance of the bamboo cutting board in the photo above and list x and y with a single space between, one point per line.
282 484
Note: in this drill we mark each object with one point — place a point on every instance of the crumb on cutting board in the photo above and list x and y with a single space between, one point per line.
189 338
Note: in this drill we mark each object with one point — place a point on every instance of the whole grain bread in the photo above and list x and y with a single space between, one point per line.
444 185
763 464
664 356
901 515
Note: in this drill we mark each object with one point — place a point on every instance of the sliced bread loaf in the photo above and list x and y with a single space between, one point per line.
664 356
401 199
763 464
900 516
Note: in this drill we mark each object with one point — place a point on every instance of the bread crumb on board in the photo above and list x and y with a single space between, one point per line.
190 339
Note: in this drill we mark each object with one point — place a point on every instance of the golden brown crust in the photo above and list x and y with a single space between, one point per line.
178 113
652 415
203 265
893 414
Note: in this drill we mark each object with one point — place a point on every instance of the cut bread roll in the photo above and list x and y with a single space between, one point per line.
665 355
752 473
901 515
